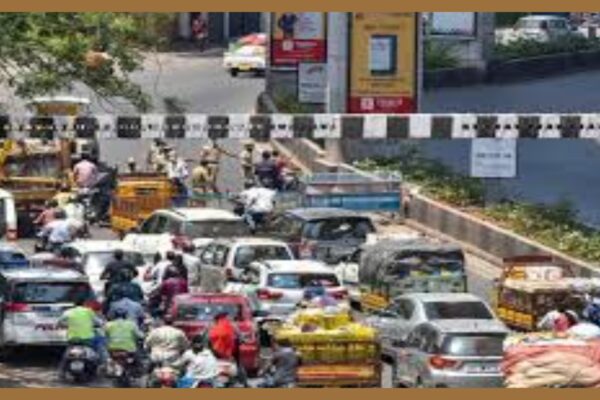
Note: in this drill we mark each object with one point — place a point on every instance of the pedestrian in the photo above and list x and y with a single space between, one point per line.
58 232
85 172
266 171
247 161
200 31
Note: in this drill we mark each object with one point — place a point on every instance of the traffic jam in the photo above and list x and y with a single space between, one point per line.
148 276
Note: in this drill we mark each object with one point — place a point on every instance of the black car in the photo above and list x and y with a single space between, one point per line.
326 234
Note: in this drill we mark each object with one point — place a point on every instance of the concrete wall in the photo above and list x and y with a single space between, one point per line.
548 170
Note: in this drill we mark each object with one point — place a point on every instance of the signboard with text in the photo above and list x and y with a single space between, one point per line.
312 82
298 37
493 158
383 63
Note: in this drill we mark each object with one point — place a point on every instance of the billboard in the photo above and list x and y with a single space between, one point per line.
452 23
312 83
298 37
383 63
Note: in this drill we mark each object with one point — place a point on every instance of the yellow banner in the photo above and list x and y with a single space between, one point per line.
383 62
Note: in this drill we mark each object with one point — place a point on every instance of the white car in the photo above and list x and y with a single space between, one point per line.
278 286
169 229
248 58
232 256
540 28
32 301
94 255
8 216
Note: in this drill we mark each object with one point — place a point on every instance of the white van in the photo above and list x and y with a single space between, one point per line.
8 216
32 301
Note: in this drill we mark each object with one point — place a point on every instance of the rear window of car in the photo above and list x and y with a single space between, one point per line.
480 345
457 310
339 229
208 311
248 254
215 229
50 292
301 281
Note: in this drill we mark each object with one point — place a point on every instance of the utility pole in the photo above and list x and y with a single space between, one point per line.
337 74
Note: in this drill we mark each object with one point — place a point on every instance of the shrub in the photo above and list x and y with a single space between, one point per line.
438 55
526 48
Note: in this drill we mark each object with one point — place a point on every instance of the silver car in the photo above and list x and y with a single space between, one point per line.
407 311
446 353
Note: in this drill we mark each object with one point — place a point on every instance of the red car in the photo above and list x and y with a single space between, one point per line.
194 314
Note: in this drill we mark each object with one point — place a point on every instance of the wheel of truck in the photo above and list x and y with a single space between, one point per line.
233 72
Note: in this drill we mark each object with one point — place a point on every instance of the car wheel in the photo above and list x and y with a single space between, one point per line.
233 72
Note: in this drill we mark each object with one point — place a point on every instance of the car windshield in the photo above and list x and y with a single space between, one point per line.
457 310
215 229
208 311
340 229
245 255
301 281
480 345
50 292
94 263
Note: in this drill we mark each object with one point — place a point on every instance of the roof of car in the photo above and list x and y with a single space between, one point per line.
541 17
43 274
469 326
447 297
251 241
203 214
195 297
97 246
297 266
322 213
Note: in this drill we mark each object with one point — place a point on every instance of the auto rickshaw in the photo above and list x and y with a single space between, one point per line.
531 286
136 196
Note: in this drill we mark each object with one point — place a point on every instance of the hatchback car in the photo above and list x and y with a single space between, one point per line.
32 301
195 313
175 228
326 234
280 285
448 353
407 311
12 256
233 256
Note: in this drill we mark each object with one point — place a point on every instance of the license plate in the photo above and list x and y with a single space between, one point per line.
77 366
490 369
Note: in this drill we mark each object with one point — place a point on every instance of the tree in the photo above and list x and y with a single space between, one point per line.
43 53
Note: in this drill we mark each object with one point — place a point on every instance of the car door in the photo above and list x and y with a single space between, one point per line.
385 322
153 236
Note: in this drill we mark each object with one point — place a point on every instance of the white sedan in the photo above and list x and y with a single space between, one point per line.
248 58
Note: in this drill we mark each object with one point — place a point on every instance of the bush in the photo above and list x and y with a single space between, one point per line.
527 48
555 226
289 104
438 55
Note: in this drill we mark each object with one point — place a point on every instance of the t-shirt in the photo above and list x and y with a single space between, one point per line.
80 323
201 366
85 174
259 200
122 334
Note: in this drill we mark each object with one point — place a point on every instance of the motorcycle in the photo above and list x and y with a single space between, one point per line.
81 363
122 368
163 377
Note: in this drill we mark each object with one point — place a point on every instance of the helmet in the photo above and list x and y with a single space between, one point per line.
199 341
120 313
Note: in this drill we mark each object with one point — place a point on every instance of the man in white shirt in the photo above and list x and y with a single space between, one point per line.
201 365
258 202
57 232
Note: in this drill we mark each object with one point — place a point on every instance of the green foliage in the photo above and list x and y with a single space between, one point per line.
45 53
289 104
555 225
438 55
526 48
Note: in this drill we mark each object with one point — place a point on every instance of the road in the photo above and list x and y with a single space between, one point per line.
560 94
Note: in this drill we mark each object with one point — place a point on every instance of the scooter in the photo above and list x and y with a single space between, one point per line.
81 363
122 368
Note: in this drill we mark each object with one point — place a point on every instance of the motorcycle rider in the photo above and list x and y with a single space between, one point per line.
118 270
121 290
122 334
266 171
85 172
166 344
199 363
225 343
173 285
80 322
258 202
47 215
281 372
133 309
56 233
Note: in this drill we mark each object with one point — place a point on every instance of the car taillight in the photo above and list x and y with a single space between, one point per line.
339 294
11 234
265 294
306 249
16 307
439 362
